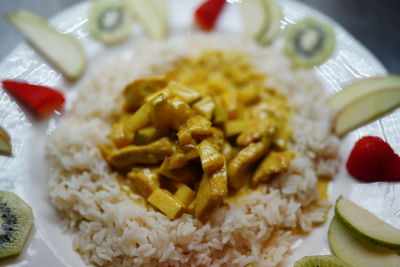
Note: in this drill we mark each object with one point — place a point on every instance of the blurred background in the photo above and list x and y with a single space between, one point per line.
375 23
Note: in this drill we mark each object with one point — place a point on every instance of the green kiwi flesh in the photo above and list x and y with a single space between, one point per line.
109 21
5 143
16 220
309 42
321 261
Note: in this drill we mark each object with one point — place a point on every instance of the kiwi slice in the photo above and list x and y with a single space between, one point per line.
109 21
16 220
321 261
309 42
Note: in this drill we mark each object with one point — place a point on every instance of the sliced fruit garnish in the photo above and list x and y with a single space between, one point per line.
62 50
15 224
262 19
206 15
362 87
40 99
350 248
373 160
321 261
366 225
149 16
365 109
109 21
309 42
5 143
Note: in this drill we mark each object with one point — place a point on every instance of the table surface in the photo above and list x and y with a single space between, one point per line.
375 23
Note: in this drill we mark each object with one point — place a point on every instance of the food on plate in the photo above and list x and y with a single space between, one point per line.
321 261
206 15
360 88
372 160
144 170
109 21
5 143
262 19
152 14
40 99
346 245
60 49
366 225
309 42
15 224
366 109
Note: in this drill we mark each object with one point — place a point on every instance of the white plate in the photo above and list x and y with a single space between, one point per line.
25 173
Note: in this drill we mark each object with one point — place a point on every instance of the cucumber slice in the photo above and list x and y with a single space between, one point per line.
366 225
361 88
109 21
62 50
366 109
309 42
262 19
153 23
356 251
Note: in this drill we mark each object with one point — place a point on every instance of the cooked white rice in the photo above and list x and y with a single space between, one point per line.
112 230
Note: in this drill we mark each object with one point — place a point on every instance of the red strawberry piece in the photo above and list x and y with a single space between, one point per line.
207 14
40 99
372 159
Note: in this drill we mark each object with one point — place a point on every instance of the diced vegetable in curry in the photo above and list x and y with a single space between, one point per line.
207 128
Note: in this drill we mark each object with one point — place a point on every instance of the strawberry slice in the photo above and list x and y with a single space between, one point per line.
207 14
41 100
373 160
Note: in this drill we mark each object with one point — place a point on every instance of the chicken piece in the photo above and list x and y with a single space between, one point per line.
205 107
180 158
212 189
187 174
235 127
139 119
211 158
249 95
194 129
220 114
274 163
166 203
184 194
120 136
282 135
256 130
136 91
161 114
145 180
183 92
243 160
146 135
128 156
181 112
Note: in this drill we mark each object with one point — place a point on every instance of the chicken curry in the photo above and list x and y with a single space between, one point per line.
202 131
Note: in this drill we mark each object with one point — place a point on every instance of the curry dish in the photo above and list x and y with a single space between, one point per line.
207 129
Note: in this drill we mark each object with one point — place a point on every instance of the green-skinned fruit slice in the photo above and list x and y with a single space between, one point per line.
321 261
356 251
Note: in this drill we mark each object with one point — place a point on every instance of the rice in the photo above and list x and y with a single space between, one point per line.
111 228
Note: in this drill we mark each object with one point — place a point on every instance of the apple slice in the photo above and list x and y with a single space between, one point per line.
150 17
362 87
262 19
366 225
365 109
5 143
356 251
62 50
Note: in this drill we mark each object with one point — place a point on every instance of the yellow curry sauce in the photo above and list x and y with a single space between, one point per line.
207 129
